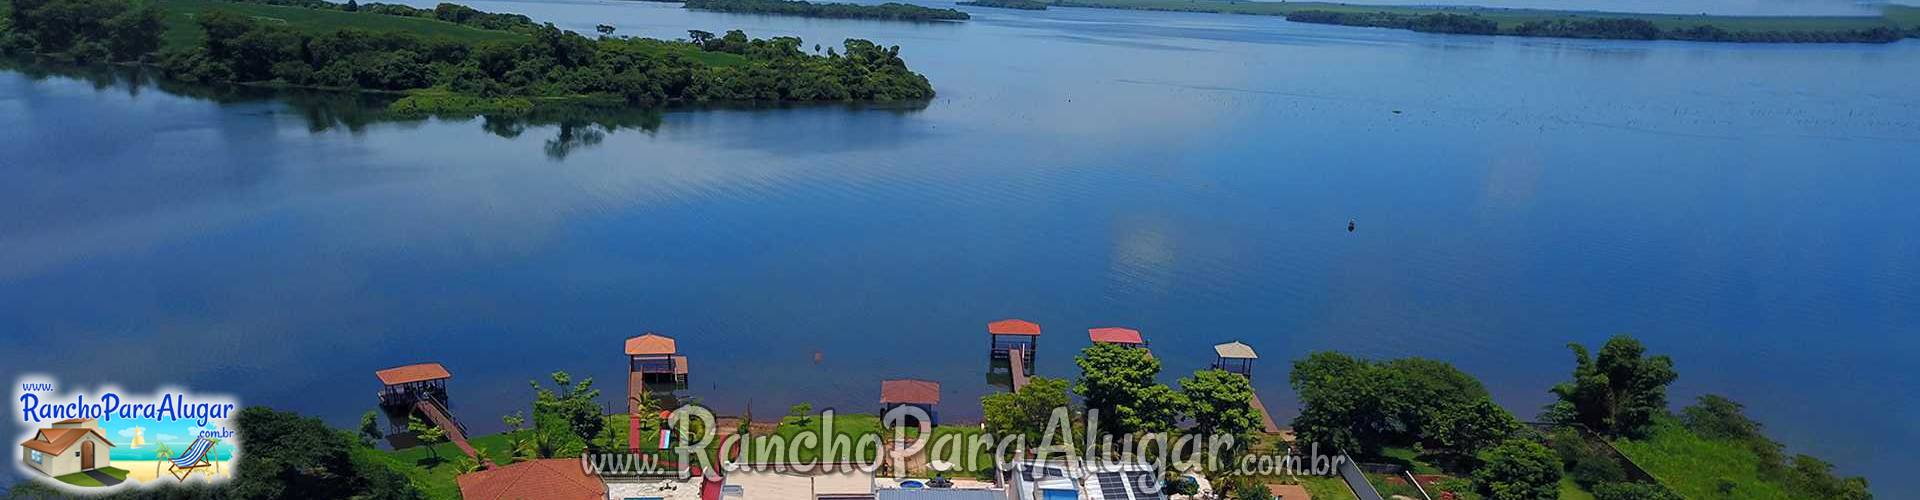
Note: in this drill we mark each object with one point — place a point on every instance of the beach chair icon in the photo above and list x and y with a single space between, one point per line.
195 458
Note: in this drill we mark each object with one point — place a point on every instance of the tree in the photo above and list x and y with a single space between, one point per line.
428 434
699 37
1716 417
1518 469
604 29
1620 391
1466 429
134 32
370 427
1026 411
571 408
293 456
1119 382
1345 403
1810 477
1220 403
352 6
1633 491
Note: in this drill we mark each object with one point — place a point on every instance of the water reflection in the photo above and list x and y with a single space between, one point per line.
577 126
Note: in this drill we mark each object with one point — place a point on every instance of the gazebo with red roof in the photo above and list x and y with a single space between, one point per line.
1116 335
924 394
1009 335
656 358
405 385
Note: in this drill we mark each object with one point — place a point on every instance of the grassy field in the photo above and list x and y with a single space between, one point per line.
1508 18
182 30
82 479
1694 467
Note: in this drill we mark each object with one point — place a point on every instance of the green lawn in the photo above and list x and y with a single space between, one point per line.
82 479
1570 490
1694 467
182 30
1508 18
436 478
1326 487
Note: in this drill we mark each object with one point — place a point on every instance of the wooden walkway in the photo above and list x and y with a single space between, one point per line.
1017 361
446 423
1266 419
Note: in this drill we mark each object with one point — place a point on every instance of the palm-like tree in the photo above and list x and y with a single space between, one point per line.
163 453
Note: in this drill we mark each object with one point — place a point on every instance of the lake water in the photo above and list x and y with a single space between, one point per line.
1748 209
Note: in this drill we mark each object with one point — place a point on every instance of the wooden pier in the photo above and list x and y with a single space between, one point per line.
1018 369
419 389
1009 336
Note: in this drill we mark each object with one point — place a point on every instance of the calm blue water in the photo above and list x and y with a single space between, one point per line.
1749 210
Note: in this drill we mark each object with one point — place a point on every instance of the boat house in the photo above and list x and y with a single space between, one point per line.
924 394
1124 337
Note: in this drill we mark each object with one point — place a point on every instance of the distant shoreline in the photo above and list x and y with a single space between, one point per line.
1895 22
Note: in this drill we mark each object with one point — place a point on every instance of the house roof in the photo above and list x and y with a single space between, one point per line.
554 478
412 373
57 441
910 391
1115 335
1014 327
650 344
1235 350
73 421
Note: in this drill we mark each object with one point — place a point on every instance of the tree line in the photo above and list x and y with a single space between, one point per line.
1007 4
86 30
1599 27
890 10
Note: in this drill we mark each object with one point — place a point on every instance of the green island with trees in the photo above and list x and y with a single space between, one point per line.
1894 23
892 11
449 59
1007 4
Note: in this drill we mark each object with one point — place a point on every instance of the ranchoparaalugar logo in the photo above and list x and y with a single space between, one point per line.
89 440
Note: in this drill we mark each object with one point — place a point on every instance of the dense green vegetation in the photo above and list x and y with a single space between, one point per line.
1714 451
1894 23
1363 406
287 456
1120 383
86 30
890 10
183 29
1007 4
455 58
1617 393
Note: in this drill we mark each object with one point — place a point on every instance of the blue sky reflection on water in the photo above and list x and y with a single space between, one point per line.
1745 208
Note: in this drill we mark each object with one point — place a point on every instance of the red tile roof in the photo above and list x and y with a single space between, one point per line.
1013 327
1115 335
910 391
554 478
412 373
651 344
57 441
